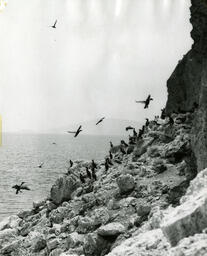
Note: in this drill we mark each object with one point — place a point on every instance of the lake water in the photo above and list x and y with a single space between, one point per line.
21 154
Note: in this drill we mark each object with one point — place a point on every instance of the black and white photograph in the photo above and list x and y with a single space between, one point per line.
103 127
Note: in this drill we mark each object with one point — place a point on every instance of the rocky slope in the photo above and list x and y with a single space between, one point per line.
187 85
150 201
127 210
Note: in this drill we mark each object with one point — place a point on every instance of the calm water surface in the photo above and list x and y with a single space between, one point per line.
20 156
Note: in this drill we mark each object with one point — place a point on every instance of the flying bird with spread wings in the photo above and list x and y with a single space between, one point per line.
54 26
101 120
76 132
20 187
145 102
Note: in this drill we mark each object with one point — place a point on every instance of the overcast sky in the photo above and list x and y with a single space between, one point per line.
103 55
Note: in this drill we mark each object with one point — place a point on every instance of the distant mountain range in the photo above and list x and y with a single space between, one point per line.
107 127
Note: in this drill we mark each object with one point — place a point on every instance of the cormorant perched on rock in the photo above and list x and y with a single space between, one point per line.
146 102
101 120
93 165
134 133
71 163
124 143
40 165
163 114
76 132
54 26
20 187
94 174
122 150
131 140
140 133
109 161
147 122
106 165
82 179
110 155
111 144
129 128
88 172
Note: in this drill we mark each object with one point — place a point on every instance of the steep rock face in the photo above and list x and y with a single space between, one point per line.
188 83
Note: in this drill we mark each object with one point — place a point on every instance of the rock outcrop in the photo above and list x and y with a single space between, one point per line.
187 86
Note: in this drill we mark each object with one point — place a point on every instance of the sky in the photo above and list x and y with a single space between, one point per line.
102 56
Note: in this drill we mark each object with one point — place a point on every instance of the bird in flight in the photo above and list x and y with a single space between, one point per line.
40 165
54 26
76 132
101 120
20 187
129 128
145 102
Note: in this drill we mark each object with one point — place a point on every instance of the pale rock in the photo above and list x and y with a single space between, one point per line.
125 183
111 229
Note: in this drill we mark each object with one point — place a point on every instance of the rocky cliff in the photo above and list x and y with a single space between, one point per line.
149 200
187 86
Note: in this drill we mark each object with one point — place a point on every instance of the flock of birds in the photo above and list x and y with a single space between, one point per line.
108 162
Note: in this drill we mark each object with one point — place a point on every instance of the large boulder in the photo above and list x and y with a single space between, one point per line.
63 188
125 183
10 222
191 246
147 244
111 229
191 216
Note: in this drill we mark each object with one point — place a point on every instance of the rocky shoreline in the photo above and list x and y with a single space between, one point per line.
134 208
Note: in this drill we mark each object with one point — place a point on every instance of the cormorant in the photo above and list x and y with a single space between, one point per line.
93 165
111 144
122 151
106 165
124 143
20 187
146 102
171 121
82 179
88 172
147 122
71 163
94 174
129 128
54 26
101 120
110 155
76 132
163 114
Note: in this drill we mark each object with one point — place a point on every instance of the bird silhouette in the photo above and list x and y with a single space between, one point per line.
82 179
147 122
88 172
93 165
71 163
94 174
163 114
134 133
145 102
54 143
54 26
111 144
40 165
101 120
129 128
122 150
76 132
106 165
124 143
110 155
20 187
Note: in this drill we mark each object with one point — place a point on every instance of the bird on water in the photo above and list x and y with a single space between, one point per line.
54 25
